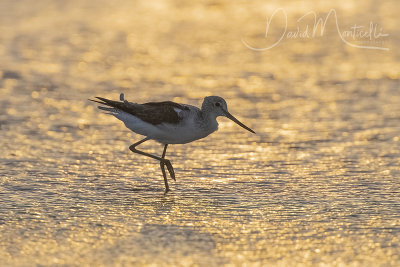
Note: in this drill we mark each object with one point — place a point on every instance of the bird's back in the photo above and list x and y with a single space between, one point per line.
153 112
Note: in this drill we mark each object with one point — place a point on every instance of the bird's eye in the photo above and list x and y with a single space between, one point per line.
217 104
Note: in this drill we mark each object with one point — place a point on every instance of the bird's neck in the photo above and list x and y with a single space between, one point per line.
209 120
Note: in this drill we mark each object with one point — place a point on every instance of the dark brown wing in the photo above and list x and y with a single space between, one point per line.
167 103
152 112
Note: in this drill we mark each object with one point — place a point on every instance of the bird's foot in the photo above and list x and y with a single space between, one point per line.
170 168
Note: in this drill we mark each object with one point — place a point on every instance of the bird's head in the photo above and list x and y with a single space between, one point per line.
216 106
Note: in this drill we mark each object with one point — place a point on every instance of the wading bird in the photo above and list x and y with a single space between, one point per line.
168 123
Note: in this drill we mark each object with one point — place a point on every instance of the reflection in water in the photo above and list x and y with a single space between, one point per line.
317 185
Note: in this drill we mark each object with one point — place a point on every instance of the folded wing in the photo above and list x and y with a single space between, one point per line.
152 112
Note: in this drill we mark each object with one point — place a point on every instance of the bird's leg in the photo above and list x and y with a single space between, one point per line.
162 160
134 150
169 167
163 171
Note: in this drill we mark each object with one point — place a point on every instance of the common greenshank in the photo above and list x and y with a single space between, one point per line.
168 123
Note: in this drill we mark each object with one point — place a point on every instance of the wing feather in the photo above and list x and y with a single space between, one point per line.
152 112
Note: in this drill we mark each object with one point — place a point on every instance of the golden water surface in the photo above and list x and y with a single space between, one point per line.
317 186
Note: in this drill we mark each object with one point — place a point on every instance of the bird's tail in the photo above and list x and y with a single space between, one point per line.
112 106
109 111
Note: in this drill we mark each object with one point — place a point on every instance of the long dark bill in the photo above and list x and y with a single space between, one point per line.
230 116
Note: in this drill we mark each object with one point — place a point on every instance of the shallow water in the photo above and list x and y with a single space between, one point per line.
318 185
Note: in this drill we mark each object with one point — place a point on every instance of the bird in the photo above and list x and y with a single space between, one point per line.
168 123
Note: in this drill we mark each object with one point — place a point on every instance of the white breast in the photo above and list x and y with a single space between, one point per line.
191 128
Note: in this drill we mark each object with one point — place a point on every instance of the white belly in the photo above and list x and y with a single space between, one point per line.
180 134
167 133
